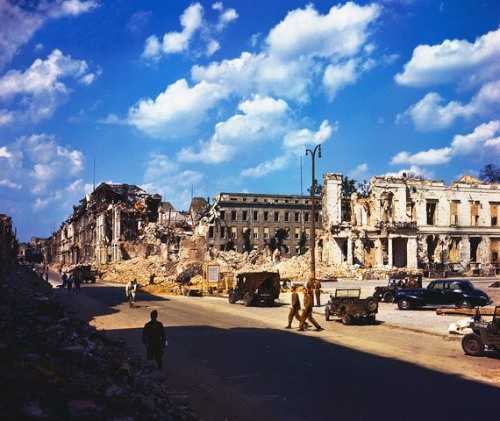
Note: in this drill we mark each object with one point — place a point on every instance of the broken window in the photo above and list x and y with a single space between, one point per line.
266 233
222 214
308 232
297 233
454 212
255 233
245 215
266 216
233 215
276 216
474 213
287 216
297 216
430 210
494 214
306 216
411 212
255 215
222 232
474 245
234 233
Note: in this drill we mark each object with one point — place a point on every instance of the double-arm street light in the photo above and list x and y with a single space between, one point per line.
313 216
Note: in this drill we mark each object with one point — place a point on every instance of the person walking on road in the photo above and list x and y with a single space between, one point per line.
317 292
307 311
153 337
130 291
69 284
294 309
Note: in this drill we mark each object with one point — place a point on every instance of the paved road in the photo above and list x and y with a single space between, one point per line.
238 363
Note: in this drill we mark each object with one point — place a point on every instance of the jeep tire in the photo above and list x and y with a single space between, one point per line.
388 297
247 299
473 345
370 304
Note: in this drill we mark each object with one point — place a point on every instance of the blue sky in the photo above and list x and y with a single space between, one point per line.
184 98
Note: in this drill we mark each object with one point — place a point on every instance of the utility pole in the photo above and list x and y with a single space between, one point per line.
313 216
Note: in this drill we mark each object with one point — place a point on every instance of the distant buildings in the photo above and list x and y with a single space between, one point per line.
404 223
243 221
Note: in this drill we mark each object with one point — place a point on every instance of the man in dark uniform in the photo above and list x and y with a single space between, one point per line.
317 292
294 309
307 311
153 337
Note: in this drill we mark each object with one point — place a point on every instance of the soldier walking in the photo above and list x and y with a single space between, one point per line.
294 309
307 311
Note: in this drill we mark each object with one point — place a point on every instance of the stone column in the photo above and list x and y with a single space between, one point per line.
389 252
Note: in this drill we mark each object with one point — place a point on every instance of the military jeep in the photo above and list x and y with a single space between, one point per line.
484 335
347 304
255 287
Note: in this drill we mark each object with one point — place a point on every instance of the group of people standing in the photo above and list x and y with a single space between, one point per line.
71 283
311 290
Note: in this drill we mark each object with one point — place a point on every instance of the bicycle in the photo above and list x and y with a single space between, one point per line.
131 298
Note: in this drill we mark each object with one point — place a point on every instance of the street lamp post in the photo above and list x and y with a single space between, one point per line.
313 216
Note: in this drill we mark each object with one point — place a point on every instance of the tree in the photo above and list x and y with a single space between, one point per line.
281 234
318 188
246 240
302 243
490 173
348 187
364 189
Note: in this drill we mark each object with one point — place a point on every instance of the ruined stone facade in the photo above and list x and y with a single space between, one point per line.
414 224
242 221
103 223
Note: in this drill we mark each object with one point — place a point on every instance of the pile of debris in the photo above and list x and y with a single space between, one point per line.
58 368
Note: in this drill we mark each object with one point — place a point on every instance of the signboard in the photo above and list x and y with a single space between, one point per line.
213 273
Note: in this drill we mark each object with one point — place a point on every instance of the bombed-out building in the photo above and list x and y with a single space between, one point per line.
415 224
245 221
103 222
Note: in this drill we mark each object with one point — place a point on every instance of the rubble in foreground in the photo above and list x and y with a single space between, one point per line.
58 368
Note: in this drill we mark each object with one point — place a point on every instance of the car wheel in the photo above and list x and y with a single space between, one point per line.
327 314
472 344
464 304
232 297
247 299
370 304
388 297
346 319
404 304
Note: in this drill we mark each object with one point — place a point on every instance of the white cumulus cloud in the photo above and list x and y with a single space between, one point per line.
176 111
484 140
40 89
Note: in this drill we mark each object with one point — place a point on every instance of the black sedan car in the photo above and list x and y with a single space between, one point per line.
459 293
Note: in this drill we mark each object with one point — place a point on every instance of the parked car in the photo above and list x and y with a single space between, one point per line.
483 335
459 293
347 305
254 287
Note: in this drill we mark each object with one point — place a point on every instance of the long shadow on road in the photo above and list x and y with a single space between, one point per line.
301 377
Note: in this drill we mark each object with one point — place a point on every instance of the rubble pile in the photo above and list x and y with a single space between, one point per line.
58 368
